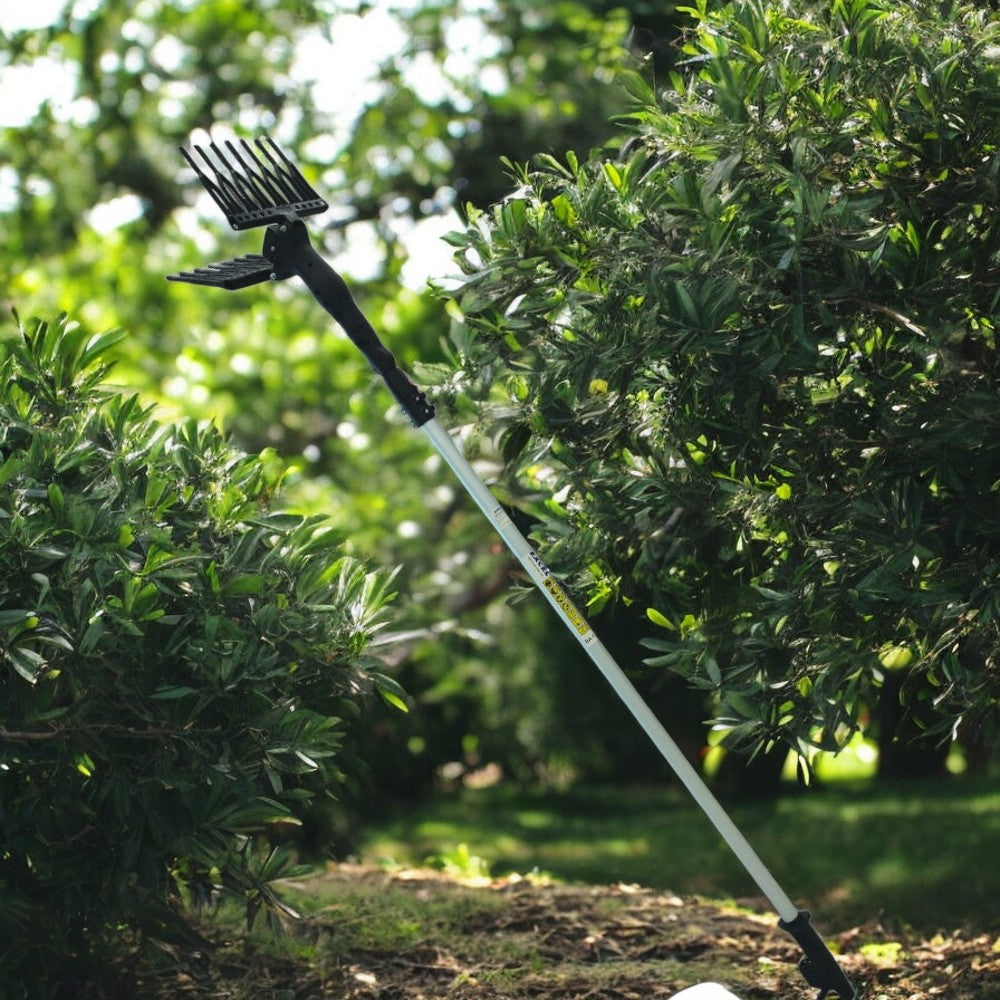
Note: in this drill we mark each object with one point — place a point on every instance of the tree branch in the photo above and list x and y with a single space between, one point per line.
893 314
13 736
63 732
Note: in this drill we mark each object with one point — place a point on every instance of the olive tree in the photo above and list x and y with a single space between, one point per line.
751 361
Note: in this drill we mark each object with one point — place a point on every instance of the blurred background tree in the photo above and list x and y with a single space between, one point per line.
401 115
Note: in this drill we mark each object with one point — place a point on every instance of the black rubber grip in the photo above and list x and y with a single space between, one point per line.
819 967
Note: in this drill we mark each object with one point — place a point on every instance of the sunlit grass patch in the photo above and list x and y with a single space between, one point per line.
853 852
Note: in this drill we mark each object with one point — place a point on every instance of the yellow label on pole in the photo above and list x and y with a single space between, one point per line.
566 606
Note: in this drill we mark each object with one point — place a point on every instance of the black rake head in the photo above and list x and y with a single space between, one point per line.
254 186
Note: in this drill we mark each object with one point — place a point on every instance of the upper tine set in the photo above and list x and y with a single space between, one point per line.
250 191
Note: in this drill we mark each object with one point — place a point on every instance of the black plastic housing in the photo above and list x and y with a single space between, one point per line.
819 968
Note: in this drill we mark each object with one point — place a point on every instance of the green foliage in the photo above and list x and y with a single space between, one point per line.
175 659
543 79
753 360
142 78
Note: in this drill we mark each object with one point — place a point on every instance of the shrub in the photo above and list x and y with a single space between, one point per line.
175 661
754 358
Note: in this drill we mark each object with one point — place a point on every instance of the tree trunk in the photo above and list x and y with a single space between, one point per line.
740 778
903 752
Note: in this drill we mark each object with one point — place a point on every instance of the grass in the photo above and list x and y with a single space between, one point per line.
919 855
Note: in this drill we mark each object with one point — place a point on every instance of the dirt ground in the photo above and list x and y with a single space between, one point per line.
419 936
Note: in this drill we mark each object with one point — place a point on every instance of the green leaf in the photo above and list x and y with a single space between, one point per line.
514 440
711 667
45 551
249 583
564 210
44 585
10 468
99 344
27 663
172 692
612 174
657 618
393 699
16 616
548 161
390 690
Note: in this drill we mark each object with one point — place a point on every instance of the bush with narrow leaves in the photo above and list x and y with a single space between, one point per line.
175 660
754 357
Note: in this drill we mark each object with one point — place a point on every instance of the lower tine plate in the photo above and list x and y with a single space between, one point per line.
240 272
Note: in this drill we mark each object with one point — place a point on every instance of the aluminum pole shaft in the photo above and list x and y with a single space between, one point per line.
606 663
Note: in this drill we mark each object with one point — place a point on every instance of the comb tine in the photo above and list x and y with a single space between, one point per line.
274 170
253 186
263 177
240 272
244 175
286 169
194 166
207 183
246 195
222 188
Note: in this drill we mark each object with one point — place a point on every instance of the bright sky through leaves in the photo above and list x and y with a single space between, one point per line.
343 73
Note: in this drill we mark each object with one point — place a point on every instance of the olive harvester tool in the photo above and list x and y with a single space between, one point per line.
257 185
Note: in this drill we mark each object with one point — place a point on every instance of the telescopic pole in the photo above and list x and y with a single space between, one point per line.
251 193
819 967
603 660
